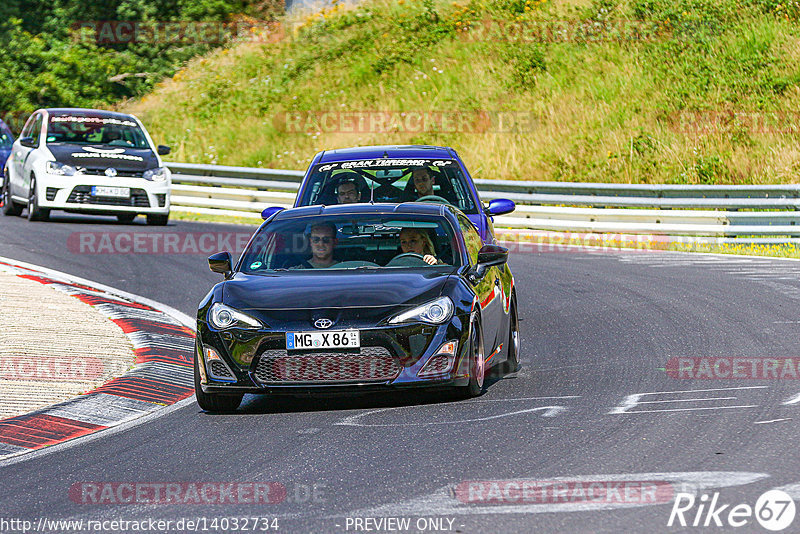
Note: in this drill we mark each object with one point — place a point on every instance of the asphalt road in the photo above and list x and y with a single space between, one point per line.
592 404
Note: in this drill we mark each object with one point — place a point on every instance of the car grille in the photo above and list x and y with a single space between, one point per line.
82 194
219 370
370 364
120 174
50 193
437 365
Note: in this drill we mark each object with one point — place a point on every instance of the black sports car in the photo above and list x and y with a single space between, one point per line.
355 298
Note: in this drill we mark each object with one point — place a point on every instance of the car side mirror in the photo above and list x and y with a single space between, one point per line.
489 256
28 142
221 263
163 150
500 206
270 211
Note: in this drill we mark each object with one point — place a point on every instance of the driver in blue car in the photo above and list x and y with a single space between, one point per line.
347 192
415 241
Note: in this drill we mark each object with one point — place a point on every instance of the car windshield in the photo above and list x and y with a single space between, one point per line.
389 180
365 242
6 138
95 130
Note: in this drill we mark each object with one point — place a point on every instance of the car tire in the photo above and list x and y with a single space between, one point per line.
511 365
213 402
157 220
477 362
35 213
126 218
9 206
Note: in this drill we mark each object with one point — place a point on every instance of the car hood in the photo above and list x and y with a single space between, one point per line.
314 290
104 156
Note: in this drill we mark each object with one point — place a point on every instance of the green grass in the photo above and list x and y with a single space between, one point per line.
202 217
603 111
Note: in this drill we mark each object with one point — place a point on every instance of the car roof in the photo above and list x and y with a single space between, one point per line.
85 111
387 151
406 208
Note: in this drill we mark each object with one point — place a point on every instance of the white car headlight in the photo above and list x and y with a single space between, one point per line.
434 312
61 169
155 175
221 317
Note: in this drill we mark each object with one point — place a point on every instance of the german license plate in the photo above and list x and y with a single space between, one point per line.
334 339
106 191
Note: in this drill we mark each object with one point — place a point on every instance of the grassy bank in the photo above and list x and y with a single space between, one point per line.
596 105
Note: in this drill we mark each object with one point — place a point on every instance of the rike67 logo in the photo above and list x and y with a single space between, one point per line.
774 510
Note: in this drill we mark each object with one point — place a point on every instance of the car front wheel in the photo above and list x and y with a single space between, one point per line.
9 206
477 363
512 363
157 220
213 402
35 213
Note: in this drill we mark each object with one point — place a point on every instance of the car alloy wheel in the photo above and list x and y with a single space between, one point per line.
477 363
35 213
512 363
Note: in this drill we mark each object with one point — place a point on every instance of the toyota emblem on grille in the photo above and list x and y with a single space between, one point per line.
323 323
111 172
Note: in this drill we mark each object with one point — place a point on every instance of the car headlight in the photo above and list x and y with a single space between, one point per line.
61 169
221 317
434 312
155 175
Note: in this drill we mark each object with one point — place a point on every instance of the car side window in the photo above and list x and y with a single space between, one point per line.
26 130
36 129
471 238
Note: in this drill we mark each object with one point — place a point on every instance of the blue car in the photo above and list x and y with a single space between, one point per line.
396 174
6 140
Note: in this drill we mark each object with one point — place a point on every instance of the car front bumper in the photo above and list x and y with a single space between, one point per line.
401 353
74 193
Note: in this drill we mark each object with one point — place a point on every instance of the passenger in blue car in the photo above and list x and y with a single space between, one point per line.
423 182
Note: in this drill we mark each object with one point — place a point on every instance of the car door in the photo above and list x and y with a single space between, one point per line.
27 160
21 155
18 153
487 288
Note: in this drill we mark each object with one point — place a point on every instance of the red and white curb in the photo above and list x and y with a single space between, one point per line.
163 341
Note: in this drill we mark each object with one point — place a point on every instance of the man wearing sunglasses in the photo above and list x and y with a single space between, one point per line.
323 242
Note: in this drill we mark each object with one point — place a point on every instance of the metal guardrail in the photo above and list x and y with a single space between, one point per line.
680 210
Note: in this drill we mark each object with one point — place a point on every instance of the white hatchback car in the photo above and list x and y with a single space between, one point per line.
88 161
